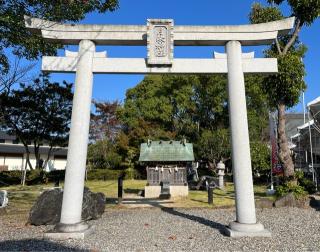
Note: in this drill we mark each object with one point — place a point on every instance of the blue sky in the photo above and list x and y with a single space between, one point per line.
187 12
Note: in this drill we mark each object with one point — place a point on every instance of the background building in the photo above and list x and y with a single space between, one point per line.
13 155
306 142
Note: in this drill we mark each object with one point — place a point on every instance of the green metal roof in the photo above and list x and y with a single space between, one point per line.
166 151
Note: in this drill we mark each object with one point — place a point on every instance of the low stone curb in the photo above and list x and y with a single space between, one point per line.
289 200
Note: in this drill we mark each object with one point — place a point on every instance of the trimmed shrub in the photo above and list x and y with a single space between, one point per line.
10 178
55 175
308 185
107 174
103 174
288 187
35 177
14 177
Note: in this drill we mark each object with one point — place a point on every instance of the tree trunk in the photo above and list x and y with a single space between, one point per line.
28 158
23 182
48 157
284 151
37 155
28 155
24 175
29 163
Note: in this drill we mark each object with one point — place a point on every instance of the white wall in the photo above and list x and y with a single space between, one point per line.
13 163
18 163
60 164
1 160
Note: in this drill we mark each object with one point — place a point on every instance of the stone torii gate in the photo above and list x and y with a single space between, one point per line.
160 37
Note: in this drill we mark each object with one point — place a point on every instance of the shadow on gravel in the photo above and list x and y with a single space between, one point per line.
34 245
221 228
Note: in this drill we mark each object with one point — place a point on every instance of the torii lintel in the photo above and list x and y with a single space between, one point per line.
247 35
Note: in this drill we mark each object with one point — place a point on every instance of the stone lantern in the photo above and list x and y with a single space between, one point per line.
221 167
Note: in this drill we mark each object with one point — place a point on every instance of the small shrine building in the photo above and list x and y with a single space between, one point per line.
166 164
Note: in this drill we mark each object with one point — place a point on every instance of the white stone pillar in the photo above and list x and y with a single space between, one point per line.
245 223
78 142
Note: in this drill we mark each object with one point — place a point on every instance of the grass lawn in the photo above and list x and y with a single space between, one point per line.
22 198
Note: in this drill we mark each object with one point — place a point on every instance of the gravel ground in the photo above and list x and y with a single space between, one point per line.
155 229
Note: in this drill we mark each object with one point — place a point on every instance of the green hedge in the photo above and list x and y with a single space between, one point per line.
103 174
14 177
10 178
35 177
308 185
107 174
53 176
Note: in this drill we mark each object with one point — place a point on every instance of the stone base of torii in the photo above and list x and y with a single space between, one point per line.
160 37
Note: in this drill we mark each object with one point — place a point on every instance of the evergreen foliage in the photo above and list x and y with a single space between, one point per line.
173 107
283 89
38 113
13 33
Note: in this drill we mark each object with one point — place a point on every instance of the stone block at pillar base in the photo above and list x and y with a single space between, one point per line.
176 191
74 231
237 230
179 191
152 191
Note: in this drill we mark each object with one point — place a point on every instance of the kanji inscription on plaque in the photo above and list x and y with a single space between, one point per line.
160 41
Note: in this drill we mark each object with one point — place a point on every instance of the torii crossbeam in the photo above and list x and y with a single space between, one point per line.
160 37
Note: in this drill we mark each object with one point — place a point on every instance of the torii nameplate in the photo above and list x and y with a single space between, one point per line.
160 41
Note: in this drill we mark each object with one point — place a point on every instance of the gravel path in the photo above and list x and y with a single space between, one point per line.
154 229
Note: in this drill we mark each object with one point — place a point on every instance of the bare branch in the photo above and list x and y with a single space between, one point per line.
17 74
